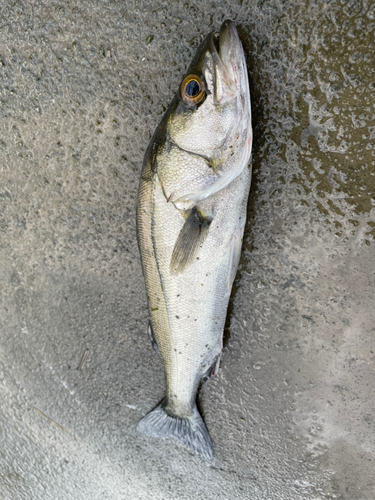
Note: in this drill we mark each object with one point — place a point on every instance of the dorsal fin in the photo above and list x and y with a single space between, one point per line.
151 334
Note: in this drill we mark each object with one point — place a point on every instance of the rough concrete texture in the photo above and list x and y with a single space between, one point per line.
291 414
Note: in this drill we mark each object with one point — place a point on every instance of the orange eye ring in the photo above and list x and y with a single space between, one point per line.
193 90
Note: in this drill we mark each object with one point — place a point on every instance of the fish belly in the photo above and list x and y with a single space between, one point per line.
189 322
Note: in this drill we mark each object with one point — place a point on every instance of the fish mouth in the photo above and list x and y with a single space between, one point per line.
229 63
216 43
228 34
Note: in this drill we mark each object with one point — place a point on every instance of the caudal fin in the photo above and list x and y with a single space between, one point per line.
190 432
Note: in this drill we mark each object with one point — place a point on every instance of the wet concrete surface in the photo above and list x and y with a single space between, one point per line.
291 413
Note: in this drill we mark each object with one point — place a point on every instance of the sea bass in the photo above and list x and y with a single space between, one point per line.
191 215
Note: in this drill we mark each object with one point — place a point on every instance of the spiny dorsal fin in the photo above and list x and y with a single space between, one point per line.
152 337
190 240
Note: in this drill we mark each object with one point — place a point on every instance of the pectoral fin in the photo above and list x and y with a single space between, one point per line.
190 240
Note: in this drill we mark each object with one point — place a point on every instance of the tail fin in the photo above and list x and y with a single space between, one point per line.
190 432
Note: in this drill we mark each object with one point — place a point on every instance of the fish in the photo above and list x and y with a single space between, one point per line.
191 214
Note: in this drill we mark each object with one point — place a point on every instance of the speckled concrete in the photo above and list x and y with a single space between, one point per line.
291 414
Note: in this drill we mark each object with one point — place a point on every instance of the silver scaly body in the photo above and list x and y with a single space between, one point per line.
191 215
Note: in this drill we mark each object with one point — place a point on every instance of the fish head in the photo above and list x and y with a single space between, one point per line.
212 105
204 139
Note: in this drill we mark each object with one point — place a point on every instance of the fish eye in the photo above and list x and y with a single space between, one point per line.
193 90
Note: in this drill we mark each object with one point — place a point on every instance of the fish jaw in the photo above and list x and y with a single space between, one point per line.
233 57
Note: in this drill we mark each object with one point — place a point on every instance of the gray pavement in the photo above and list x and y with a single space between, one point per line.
291 413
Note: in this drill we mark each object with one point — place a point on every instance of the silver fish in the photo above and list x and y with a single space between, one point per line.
191 215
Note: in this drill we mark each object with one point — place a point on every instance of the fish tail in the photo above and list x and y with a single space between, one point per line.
191 432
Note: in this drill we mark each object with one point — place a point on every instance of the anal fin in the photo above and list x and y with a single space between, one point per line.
213 369
190 240
235 254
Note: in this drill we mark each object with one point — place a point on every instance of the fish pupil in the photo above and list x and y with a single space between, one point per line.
192 88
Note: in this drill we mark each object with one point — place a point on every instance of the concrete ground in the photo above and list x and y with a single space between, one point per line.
291 414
